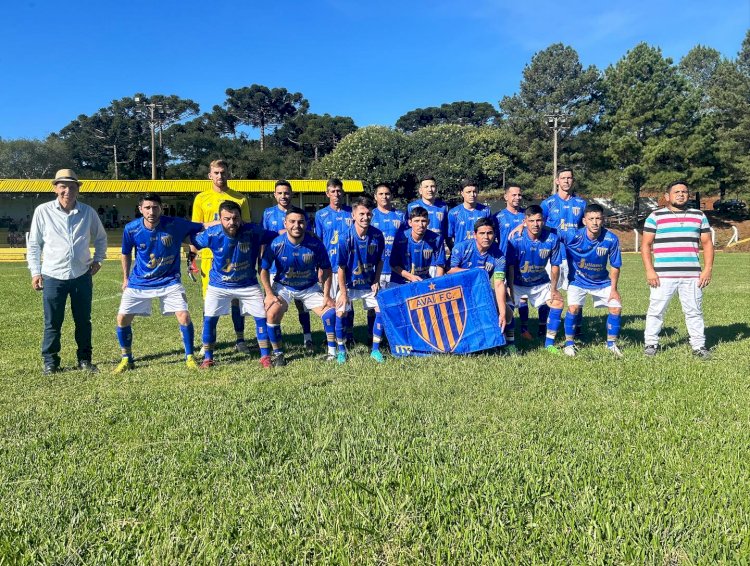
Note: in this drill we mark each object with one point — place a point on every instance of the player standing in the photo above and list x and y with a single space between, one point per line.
157 241
436 208
303 274
416 251
206 210
461 218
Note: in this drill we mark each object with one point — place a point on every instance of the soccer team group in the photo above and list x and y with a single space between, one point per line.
350 253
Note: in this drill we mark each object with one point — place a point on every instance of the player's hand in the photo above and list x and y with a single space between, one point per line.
501 321
416 278
271 300
652 278
124 284
37 283
614 295
94 267
329 302
375 287
556 296
705 278
341 301
517 229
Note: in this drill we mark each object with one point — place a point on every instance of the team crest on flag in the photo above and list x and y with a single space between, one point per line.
601 252
439 318
167 240
244 247
308 258
544 253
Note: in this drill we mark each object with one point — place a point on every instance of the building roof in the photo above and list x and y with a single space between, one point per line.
176 186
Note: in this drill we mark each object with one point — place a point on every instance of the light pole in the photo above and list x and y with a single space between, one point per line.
102 136
152 106
555 120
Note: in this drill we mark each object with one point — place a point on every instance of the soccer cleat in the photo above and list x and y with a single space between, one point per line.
350 343
87 366
202 353
377 356
278 360
207 364
190 362
570 351
650 350
553 350
702 353
526 335
265 362
309 346
341 358
330 357
125 365
510 350
615 351
242 347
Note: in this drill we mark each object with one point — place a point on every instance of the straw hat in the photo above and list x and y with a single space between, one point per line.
66 175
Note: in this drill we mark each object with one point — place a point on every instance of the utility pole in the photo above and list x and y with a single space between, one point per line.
555 120
152 123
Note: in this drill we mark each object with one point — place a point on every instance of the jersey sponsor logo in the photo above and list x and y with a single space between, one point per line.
244 247
601 251
439 318
335 239
167 240
308 258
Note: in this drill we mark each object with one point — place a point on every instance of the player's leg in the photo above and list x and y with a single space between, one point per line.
691 299
370 321
125 339
251 302
238 322
174 301
273 322
658 302
205 268
613 329
543 314
340 329
553 320
523 318
576 298
217 303
304 322
209 340
81 295
313 300
370 302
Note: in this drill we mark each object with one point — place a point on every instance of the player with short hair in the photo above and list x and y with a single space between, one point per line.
483 252
303 273
360 261
206 210
529 252
416 251
461 218
157 241
672 234
589 250
236 248
436 208
273 220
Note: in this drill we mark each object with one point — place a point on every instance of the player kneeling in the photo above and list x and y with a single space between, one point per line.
588 250
417 250
303 273
236 249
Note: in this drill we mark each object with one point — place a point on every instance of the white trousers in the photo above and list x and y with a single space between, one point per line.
691 299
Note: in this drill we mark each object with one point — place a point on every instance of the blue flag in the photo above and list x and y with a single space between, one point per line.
451 314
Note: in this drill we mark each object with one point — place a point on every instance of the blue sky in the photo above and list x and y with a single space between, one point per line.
373 61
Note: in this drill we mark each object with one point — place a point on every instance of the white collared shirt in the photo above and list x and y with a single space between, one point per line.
66 239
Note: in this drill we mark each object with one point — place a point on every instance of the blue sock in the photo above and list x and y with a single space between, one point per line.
340 332
188 337
274 335
543 316
377 332
613 328
523 315
125 337
239 323
209 335
350 325
329 325
510 330
570 328
261 331
553 323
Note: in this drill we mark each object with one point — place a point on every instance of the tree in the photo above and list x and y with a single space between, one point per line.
314 134
32 159
261 107
699 65
462 113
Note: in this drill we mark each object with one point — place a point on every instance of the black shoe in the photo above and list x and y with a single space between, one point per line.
49 369
85 365
278 360
350 343
702 353
650 350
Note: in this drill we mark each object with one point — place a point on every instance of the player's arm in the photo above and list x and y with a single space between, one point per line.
325 276
270 298
455 262
498 280
647 245
376 284
126 261
708 259
614 277
554 277
341 299
196 217
34 252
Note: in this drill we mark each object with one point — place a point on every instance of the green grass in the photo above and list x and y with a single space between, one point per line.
476 459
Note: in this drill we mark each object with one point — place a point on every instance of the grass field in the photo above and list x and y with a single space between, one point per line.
447 460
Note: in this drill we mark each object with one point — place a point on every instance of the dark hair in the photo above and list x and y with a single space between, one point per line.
294 210
427 178
153 197
386 185
593 207
533 210
282 183
562 170
335 182
230 206
364 200
512 186
419 212
678 182
483 222
468 183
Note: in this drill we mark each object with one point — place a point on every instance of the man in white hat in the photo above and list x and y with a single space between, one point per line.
65 230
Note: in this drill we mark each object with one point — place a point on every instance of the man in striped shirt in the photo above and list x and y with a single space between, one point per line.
672 234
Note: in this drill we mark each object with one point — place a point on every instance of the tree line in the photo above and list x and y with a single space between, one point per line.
633 126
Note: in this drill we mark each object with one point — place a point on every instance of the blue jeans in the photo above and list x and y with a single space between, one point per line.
55 296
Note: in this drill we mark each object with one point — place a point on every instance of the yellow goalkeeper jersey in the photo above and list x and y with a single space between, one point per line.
206 208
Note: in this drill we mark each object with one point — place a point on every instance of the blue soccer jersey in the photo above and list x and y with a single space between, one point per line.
466 255
562 214
273 220
437 214
461 221
296 265
506 221
390 224
360 256
157 251
235 262
588 258
330 225
530 257
417 257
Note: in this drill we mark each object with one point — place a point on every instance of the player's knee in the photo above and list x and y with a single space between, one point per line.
183 317
555 304
615 310
573 309
124 320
